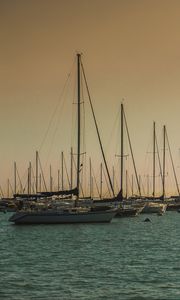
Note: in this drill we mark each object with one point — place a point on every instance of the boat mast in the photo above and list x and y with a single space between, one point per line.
50 178
8 184
29 178
62 171
15 177
175 177
154 157
164 145
79 122
122 148
37 171
71 170
148 185
126 184
90 178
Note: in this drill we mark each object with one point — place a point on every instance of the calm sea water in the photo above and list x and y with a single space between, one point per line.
126 259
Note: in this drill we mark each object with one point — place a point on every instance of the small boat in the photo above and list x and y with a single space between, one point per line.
127 212
7 205
154 207
173 204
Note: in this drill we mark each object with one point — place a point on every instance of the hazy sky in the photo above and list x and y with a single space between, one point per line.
131 51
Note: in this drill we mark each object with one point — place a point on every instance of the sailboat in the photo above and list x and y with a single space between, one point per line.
125 208
156 204
65 215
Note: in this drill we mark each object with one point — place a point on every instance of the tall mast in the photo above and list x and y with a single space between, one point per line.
79 120
148 185
62 171
14 177
8 184
37 171
122 148
29 178
71 180
154 157
50 178
175 177
164 145
126 184
90 178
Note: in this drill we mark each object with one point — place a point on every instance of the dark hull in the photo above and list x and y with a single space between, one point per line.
55 217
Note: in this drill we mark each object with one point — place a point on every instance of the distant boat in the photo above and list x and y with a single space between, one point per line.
128 211
66 215
154 207
7 205
173 203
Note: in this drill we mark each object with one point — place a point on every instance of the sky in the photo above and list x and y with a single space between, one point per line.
130 52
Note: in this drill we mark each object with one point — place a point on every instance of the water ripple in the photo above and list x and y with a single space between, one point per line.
127 259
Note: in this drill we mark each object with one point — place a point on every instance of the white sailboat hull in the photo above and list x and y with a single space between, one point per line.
54 217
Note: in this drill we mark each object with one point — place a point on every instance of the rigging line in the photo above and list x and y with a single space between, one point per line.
172 164
54 112
97 129
106 182
21 186
95 181
26 184
23 177
159 161
130 183
42 174
113 129
139 189
116 182
67 172
54 134
147 162
142 184
11 187
85 172
32 179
